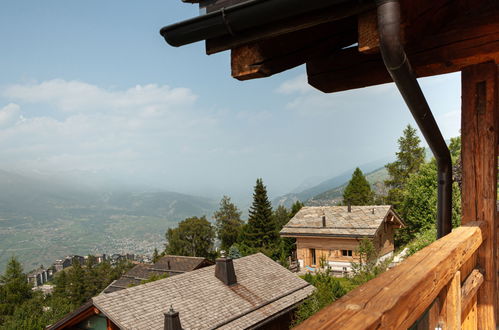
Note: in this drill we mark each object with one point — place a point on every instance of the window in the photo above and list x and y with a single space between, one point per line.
346 253
312 252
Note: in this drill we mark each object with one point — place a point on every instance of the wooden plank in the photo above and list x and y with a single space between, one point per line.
398 297
450 316
469 289
468 41
470 322
469 266
479 174
270 56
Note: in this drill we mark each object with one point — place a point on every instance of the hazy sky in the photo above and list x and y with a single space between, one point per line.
91 86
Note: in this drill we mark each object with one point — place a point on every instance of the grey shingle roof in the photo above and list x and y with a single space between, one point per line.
171 265
360 222
263 289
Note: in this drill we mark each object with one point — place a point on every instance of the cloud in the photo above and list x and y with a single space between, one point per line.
298 84
9 114
76 96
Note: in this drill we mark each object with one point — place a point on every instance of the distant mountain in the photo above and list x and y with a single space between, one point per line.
335 195
327 185
42 219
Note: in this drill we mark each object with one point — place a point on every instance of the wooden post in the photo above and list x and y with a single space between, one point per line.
479 161
451 309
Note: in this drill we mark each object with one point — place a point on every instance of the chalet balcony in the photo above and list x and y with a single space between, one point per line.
436 288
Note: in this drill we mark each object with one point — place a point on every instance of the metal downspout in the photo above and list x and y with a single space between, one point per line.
401 72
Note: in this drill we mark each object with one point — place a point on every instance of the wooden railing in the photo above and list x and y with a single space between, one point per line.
435 288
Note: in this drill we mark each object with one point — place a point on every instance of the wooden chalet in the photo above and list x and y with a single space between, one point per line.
333 234
347 44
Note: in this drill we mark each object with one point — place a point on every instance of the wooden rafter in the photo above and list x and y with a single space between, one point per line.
471 40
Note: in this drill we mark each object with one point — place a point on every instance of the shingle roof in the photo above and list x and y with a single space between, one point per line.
362 221
263 289
171 265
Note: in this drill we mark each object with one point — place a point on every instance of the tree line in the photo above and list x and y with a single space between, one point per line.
412 188
195 236
24 308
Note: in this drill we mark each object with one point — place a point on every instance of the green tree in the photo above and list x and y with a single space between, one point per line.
295 208
228 223
193 237
419 207
286 244
366 268
234 252
410 157
358 190
14 289
261 231
155 255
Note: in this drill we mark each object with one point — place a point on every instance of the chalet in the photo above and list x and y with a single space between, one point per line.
168 265
250 292
333 233
349 44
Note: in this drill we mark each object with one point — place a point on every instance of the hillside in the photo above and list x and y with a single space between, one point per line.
335 195
42 220
325 186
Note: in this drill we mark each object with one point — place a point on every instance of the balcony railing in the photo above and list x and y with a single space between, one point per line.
435 288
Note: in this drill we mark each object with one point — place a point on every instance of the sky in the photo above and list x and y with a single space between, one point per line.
91 87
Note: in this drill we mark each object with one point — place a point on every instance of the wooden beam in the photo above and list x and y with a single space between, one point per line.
398 297
469 290
469 40
479 161
270 56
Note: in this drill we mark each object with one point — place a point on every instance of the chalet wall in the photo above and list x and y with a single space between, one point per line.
384 240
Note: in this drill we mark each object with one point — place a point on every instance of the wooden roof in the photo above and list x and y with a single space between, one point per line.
361 221
263 289
339 45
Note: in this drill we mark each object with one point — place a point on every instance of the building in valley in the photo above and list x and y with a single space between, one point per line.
251 292
333 233
168 265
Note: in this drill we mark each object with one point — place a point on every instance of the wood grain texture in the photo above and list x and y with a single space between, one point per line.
469 290
470 322
479 174
468 41
398 297
450 314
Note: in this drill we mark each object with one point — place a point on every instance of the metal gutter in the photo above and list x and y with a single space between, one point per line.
398 66
243 16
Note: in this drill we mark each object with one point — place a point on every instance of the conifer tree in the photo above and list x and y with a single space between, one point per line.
14 288
228 223
261 230
410 157
358 191
295 208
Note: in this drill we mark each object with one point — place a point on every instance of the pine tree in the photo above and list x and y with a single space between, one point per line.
410 157
14 288
261 230
228 223
295 208
358 191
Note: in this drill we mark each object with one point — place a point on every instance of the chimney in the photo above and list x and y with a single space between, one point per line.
349 207
373 210
224 271
168 263
323 221
172 320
